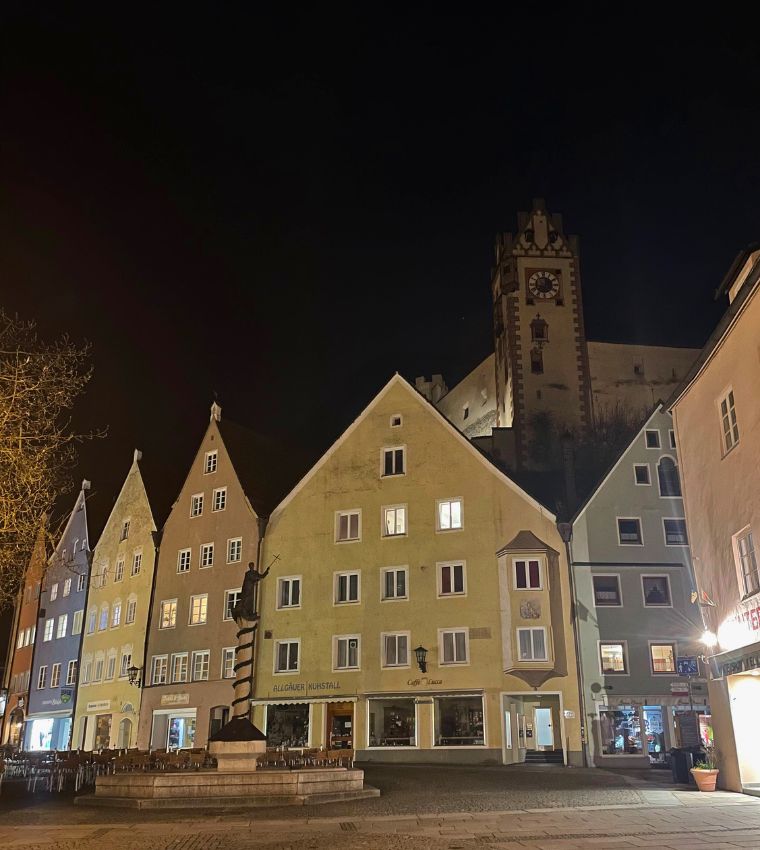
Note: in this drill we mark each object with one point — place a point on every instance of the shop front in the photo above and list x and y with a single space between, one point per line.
51 731
533 728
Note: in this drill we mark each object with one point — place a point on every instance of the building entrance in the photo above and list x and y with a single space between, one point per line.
532 730
340 725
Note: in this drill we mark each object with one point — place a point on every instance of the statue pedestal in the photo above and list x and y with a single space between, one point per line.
236 756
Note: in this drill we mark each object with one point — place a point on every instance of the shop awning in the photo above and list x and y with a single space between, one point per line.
741 660
302 700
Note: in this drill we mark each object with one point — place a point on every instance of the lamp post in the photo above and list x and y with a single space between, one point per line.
421 656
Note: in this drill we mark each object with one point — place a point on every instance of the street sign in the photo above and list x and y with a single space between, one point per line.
679 688
687 665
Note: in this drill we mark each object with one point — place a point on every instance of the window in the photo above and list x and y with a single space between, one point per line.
675 532
220 499
641 473
119 574
663 657
210 462
459 721
136 563
286 656
160 663
183 560
392 723
101 578
125 530
347 526
116 614
672 438
395 649
234 550
466 412
81 580
67 587
198 609
656 591
620 731
453 646
289 592
168 614
131 609
179 667
728 422
528 575
394 461
196 504
231 599
612 657
629 532
346 652
55 676
71 672
396 420
103 620
63 621
346 588
92 619
207 555
41 676
111 667
394 583
449 514
54 592
747 560
48 633
87 672
536 361
451 580
667 476
228 662
97 676
607 591
200 665
652 439
394 521
76 623
532 644
125 664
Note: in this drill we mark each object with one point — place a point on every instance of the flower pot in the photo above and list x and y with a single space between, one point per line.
705 779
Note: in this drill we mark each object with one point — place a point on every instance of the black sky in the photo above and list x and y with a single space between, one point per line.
284 208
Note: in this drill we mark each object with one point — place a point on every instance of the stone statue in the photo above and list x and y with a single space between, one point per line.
245 609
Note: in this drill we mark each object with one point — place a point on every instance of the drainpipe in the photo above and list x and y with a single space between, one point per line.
566 533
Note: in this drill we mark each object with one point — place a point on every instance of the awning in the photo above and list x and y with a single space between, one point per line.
741 660
302 700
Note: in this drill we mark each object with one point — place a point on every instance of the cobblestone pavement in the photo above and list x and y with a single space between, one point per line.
653 814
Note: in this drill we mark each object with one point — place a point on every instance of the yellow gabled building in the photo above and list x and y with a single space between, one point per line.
116 618
418 608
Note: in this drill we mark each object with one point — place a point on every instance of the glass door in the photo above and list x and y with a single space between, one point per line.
181 733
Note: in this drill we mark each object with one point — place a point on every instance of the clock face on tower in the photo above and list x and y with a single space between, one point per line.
543 284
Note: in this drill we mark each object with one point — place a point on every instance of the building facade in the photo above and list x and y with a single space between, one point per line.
53 685
717 423
416 607
635 617
21 646
108 705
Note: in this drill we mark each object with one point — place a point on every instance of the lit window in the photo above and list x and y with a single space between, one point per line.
159 669
67 587
183 560
346 587
180 667
612 658
663 657
220 499
231 599
607 591
394 461
210 461
449 514
207 555
347 652
119 574
656 591
136 563
54 592
675 532
453 646
451 579
629 531
347 526
728 421
234 550
198 609
131 609
55 676
48 633
286 656
641 473
532 644
747 558
103 621
200 665
62 624
394 583
395 650
228 662
394 521
527 575
116 614
196 504
652 439
168 614
667 476
289 592
76 623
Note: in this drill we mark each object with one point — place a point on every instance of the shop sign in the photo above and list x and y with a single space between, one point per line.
424 682
749 662
303 687
687 665
569 714
679 688
67 695
99 705
175 699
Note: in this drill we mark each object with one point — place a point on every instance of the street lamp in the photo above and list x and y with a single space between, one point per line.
421 654
709 639
133 675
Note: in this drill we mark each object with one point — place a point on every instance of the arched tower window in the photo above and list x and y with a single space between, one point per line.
667 475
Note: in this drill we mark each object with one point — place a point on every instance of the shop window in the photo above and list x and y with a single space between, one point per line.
102 731
395 583
527 575
449 515
656 591
459 722
663 657
288 725
629 532
392 723
532 644
654 732
667 477
607 591
451 580
675 532
612 657
620 731
394 521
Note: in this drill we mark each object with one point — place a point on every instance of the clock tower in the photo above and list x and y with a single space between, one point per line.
541 359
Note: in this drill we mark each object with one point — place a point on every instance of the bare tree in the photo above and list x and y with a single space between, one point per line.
39 384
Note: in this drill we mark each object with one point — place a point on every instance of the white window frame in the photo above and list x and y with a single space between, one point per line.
289 579
125 529
648 431
667 519
42 677
454 594
335 643
200 653
383 451
678 476
626 660
131 609
289 642
238 542
92 620
383 655
348 573
77 622
54 592
81 582
184 555
667 581
211 462
196 501
733 422
71 672
237 590
641 530
663 642
348 513
200 597
228 652
527 559
383 526
61 626
532 660
206 549
173 625
179 657
218 496
116 614
735 540
66 587
454 630
125 662
438 526
55 675
136 568
110 673
103 622
119 571
47 634
620 590
383 572
396 420
648 482
156 661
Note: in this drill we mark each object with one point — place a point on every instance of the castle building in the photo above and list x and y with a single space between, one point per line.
544 376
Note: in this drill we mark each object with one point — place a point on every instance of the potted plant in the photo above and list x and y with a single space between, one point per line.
705 771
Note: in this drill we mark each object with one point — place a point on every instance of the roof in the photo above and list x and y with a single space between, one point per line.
526 541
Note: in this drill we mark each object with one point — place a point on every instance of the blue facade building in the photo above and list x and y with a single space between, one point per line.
53 682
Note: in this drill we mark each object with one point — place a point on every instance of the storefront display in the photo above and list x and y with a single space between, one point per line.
654 733
392 723
288 725
181 733
459 722
102 731
620 731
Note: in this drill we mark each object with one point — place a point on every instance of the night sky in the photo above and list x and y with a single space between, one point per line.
285 209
